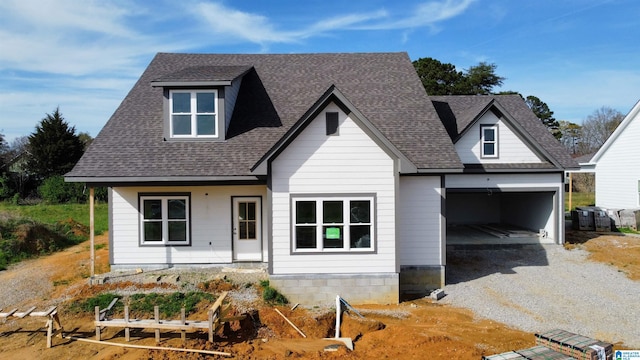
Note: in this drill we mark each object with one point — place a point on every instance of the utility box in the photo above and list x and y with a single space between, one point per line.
602 221
582 220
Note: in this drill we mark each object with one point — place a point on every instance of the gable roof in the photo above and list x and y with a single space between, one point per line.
631 116
460 112
276 91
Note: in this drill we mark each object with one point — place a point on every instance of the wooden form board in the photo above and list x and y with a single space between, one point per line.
216 317
53 324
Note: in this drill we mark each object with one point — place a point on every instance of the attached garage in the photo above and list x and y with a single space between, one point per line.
505 210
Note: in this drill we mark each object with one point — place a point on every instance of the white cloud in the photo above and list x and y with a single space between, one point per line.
425 14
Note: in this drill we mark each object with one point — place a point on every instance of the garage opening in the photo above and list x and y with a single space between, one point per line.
498 216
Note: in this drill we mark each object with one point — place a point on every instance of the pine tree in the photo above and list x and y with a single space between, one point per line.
54 147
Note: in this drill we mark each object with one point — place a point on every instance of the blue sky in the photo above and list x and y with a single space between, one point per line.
85 55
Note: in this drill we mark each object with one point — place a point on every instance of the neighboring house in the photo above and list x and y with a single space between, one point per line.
332 170
617 166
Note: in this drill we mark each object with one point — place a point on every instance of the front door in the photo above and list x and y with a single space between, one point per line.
247 229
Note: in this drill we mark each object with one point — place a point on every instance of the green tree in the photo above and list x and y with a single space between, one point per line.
542 111
54 147
444 79
438 78
4 150
481 79
86 139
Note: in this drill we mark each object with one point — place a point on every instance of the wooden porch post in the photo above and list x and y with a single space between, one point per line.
570 189
92 232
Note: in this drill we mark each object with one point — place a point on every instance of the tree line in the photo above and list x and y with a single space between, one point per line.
32 167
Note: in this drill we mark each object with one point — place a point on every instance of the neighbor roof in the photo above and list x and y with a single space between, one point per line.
276 91
459 112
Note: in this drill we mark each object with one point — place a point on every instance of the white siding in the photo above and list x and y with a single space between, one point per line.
211 217
618 170
350 163
420 221
511 149
502 181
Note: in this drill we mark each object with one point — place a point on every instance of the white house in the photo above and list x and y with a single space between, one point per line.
617 165
336 172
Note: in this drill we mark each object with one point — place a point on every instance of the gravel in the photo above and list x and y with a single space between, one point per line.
545 288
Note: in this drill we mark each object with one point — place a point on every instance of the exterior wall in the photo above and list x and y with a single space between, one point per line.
618 170
511 149
421 233
536 199
349 163
420 221
211 228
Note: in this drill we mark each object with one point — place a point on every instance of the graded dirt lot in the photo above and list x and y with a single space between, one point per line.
416 329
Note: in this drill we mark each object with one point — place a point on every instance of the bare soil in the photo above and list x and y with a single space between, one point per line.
411 330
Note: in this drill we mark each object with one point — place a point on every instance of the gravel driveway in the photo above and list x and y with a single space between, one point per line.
544 288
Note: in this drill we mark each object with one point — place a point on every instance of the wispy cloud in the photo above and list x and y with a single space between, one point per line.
259 29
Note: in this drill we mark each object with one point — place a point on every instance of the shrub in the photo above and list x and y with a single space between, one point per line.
272 295
55 190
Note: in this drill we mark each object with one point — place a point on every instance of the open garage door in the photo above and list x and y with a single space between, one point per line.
501 216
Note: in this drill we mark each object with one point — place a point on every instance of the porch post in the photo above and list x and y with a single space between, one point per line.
570 188
91 233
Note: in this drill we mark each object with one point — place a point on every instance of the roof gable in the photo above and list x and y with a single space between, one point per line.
334 95
460 112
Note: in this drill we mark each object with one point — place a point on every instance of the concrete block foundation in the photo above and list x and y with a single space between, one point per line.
321 289
420 280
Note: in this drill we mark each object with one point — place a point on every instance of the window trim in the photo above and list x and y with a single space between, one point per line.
495 142
194 113
164 197
345 198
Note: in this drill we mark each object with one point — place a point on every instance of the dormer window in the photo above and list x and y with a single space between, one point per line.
193 113
489 141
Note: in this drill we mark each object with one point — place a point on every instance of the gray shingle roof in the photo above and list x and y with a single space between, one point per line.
273 95
459 111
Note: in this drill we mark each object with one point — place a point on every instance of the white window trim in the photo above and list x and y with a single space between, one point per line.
165 220
346 199
194 114
483 141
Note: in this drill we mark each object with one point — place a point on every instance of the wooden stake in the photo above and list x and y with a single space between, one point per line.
92 232
208 352
290 323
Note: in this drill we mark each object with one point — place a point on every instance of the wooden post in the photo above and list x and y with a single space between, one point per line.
156 313
126 321
183 333
97 309
92 232
570 189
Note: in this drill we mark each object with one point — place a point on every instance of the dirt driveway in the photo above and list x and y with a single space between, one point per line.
546 287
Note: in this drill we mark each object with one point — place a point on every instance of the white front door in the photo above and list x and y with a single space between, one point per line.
247 229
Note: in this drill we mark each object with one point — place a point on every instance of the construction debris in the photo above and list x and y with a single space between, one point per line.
560 345
208 352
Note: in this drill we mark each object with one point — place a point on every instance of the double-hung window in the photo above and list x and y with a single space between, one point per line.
336 223
489 141
193 113
164 220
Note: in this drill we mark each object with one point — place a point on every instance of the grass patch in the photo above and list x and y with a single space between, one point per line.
271 295
626 230
141 305
52 214
579 199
